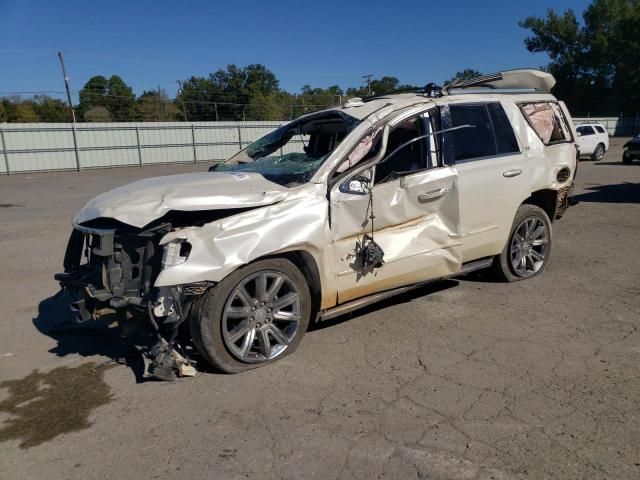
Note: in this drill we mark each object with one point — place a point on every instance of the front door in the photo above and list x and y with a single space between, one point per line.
413 199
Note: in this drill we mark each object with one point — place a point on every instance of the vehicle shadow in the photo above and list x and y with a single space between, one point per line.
55 320
619 193
620 164
406 297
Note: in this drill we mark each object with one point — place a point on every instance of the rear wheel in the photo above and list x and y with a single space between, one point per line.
256 315
527 251
598 153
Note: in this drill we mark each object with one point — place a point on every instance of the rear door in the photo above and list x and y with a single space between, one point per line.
492 174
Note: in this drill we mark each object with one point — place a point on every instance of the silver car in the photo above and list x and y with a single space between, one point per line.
330 212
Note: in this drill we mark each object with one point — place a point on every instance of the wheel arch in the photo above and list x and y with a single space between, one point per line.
546 199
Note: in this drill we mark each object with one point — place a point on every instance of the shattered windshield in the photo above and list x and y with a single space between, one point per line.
291 154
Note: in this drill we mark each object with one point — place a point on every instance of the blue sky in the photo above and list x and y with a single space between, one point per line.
154 43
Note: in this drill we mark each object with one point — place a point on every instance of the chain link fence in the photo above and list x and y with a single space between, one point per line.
44 147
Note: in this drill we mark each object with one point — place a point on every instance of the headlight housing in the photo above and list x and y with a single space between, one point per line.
175 252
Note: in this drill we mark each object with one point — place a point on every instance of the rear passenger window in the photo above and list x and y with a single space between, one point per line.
547 120
505 138
585 130
600 129
471 142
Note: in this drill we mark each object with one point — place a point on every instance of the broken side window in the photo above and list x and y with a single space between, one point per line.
409 158
547 121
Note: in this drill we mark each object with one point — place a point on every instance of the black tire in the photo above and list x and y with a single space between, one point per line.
598 153
207 319
626 158
502 267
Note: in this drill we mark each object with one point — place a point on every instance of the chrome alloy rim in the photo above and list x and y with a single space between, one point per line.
261 316
599 152
529 245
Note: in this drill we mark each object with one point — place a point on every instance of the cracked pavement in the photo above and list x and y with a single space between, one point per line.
464 379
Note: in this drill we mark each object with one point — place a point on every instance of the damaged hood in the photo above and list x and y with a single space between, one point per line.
141 202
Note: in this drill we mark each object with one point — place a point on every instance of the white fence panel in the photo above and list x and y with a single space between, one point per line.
30 147
33 147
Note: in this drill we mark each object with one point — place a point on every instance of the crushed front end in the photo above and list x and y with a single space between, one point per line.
109 272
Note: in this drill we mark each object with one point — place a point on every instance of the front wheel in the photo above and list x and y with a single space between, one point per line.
255 316
626 158
527 251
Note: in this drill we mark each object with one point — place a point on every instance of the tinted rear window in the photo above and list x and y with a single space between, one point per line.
471 142
600 129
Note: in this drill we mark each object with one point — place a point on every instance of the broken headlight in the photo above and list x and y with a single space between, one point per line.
175 252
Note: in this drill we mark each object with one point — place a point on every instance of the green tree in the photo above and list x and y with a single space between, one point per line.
25 113
156 106
50 109
113 94
93 94
595 61
121 101
98 114
17 110
228 93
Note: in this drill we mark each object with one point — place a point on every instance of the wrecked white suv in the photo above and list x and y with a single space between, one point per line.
328 213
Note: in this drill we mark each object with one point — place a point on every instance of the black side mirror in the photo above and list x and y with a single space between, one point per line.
358 185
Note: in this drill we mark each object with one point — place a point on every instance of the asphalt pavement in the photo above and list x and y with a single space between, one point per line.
464 379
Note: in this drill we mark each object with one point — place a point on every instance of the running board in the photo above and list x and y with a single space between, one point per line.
378 297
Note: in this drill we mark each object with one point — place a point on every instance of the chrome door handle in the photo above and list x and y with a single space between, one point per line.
512 173
432 195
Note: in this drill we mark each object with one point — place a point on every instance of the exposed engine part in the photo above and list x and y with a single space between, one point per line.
110 272
370 253
167 363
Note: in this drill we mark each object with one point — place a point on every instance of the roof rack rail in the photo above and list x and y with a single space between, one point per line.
429 90
470 91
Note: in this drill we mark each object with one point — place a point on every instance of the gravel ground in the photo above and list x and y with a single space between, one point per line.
464 379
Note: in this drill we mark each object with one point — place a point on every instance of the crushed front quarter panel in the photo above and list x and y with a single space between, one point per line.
298 223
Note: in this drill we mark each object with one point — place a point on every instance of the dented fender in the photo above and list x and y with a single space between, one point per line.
220 247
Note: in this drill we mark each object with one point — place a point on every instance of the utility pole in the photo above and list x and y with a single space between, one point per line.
66 85
368 77
160 105
73 114
184 109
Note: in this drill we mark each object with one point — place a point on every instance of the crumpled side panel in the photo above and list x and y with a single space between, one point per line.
420 239
221 247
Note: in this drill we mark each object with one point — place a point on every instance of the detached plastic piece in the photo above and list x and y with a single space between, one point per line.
167 363
371 254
